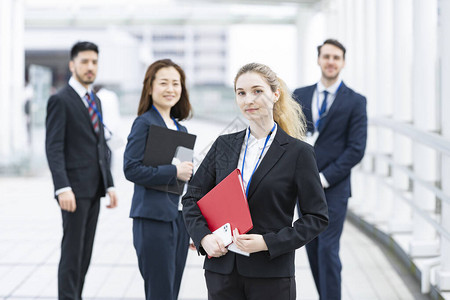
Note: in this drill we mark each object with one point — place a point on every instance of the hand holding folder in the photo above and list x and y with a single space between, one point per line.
227 203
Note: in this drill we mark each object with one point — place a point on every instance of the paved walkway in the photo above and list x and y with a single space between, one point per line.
30 233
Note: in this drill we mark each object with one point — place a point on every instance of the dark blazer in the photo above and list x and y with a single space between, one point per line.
342 140
288 171
76 155
147 202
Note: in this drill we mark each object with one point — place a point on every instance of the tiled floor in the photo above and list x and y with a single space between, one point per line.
30 233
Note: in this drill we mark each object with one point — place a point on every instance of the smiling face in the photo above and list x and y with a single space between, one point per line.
166 88
331 61
84 67
255 97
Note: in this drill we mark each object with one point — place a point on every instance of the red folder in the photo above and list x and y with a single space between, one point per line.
227 203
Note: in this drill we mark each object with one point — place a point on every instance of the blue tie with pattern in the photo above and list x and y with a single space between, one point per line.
93 113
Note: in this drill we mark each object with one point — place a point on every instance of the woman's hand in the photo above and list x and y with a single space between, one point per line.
250 243
213 245
184 170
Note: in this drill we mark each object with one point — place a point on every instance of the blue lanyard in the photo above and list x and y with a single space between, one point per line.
91 104
318 107
259 158
173 119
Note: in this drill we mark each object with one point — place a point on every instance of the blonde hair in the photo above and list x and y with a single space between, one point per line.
286 111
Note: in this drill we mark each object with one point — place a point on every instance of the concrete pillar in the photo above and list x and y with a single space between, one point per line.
348 40
384 103
384 66
369 63
358 50
424 241
356 55
370 58
18 77
400 219
5 80
302 25
12 120
336 19
443 276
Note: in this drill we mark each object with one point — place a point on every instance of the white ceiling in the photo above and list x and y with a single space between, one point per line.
101 13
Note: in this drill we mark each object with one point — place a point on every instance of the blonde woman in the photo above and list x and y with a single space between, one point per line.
277 169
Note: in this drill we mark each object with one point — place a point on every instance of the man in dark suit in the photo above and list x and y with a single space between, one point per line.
77 155
337 128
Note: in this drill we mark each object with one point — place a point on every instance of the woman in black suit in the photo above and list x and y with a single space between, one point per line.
159 234
277 169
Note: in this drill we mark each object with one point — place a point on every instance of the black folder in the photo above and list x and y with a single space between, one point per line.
160 149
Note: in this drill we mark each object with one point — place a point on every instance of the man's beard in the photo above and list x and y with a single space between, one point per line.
82 81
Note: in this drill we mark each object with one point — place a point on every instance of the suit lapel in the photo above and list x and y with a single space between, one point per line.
79 105
307 109
157 118
272 156
232 153
338 101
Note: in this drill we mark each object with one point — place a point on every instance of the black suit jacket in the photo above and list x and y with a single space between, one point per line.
77 157
342 139
288 171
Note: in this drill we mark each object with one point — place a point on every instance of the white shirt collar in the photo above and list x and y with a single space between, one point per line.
331 89
78 87
253 140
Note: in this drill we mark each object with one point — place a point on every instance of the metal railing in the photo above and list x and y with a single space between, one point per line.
427 219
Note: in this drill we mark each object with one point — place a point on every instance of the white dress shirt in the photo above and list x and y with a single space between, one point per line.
171 125
318 96
254 149
81 90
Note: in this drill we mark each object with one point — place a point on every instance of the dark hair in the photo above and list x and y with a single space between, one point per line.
334 43
182 110
82 46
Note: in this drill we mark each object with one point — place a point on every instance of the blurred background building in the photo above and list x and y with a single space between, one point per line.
397 56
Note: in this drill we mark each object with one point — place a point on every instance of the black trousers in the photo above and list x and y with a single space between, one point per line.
76 247
237 287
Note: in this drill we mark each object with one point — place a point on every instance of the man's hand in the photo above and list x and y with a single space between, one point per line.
112 199
192 246
67 201
213 245
250 243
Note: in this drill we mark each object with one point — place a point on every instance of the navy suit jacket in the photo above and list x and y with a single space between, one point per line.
287 172
76 155
149 203
342 140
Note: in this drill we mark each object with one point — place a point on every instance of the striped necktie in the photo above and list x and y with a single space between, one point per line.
92 108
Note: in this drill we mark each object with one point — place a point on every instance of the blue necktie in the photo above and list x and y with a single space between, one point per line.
322 110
